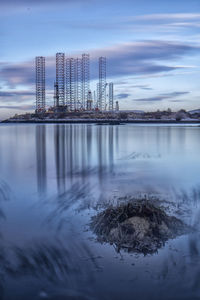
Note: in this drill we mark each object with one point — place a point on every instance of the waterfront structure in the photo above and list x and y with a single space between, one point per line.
89 101
56 97
71 83
85 78
77 82
60 78
111 96
40 84
78 74
102 84
117 106
97 100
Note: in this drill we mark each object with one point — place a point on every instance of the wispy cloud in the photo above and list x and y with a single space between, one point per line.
169 16
171 22
18 107
16 93
123 95
136 58
142 87
162 97
174 94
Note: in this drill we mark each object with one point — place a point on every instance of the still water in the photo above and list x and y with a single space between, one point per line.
53 178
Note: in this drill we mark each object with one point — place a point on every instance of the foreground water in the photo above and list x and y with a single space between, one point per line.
53 178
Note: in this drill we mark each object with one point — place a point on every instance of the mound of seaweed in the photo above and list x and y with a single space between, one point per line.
139 227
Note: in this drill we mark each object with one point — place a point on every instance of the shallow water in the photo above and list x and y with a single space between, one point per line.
53 178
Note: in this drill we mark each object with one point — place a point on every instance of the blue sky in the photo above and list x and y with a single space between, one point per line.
152 49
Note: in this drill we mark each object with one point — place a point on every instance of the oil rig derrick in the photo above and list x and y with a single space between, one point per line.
85 78
60 78
102 84
71 83
89 101
40 84
78 82
111 96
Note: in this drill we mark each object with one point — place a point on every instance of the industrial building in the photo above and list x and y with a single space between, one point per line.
72 85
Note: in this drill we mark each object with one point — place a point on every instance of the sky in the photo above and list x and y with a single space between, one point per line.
152 49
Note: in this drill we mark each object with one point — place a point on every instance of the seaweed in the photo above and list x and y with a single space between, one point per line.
137 226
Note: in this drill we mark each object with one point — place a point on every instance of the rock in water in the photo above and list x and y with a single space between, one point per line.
138 226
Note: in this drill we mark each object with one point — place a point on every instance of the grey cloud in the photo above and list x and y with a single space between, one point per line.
160 22
144 57
16 93
166 18
177 101
151 99
142 87
162 97
123 95
136 58
137 86
175 94
18 107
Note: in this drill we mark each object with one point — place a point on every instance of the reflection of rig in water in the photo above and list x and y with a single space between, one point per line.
83 154
72 86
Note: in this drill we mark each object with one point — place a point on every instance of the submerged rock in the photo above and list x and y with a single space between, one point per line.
138 226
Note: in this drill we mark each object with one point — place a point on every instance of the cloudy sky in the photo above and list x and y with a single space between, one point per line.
152 49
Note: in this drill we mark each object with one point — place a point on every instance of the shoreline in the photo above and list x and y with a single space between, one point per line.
100 121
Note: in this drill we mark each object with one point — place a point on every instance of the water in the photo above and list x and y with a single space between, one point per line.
53 178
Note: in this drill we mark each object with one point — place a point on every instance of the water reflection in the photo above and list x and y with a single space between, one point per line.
60 153
41 158
81 169
75 153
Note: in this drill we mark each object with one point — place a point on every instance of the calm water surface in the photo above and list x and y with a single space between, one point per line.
53 178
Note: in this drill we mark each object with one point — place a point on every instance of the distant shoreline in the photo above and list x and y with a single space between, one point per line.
102 121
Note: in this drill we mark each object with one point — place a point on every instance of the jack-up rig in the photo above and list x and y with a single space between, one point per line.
72 91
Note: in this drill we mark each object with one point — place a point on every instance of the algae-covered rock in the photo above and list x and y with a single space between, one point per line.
139 226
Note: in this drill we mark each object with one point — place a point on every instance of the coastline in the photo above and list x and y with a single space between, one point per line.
99 121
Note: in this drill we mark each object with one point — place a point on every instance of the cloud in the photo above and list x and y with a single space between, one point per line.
165 17
141 23
162 97
142 87
18 107
146 50
152 99
17 74
175 94
177 100
136 58
16 93
162 22
145 58
123 95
